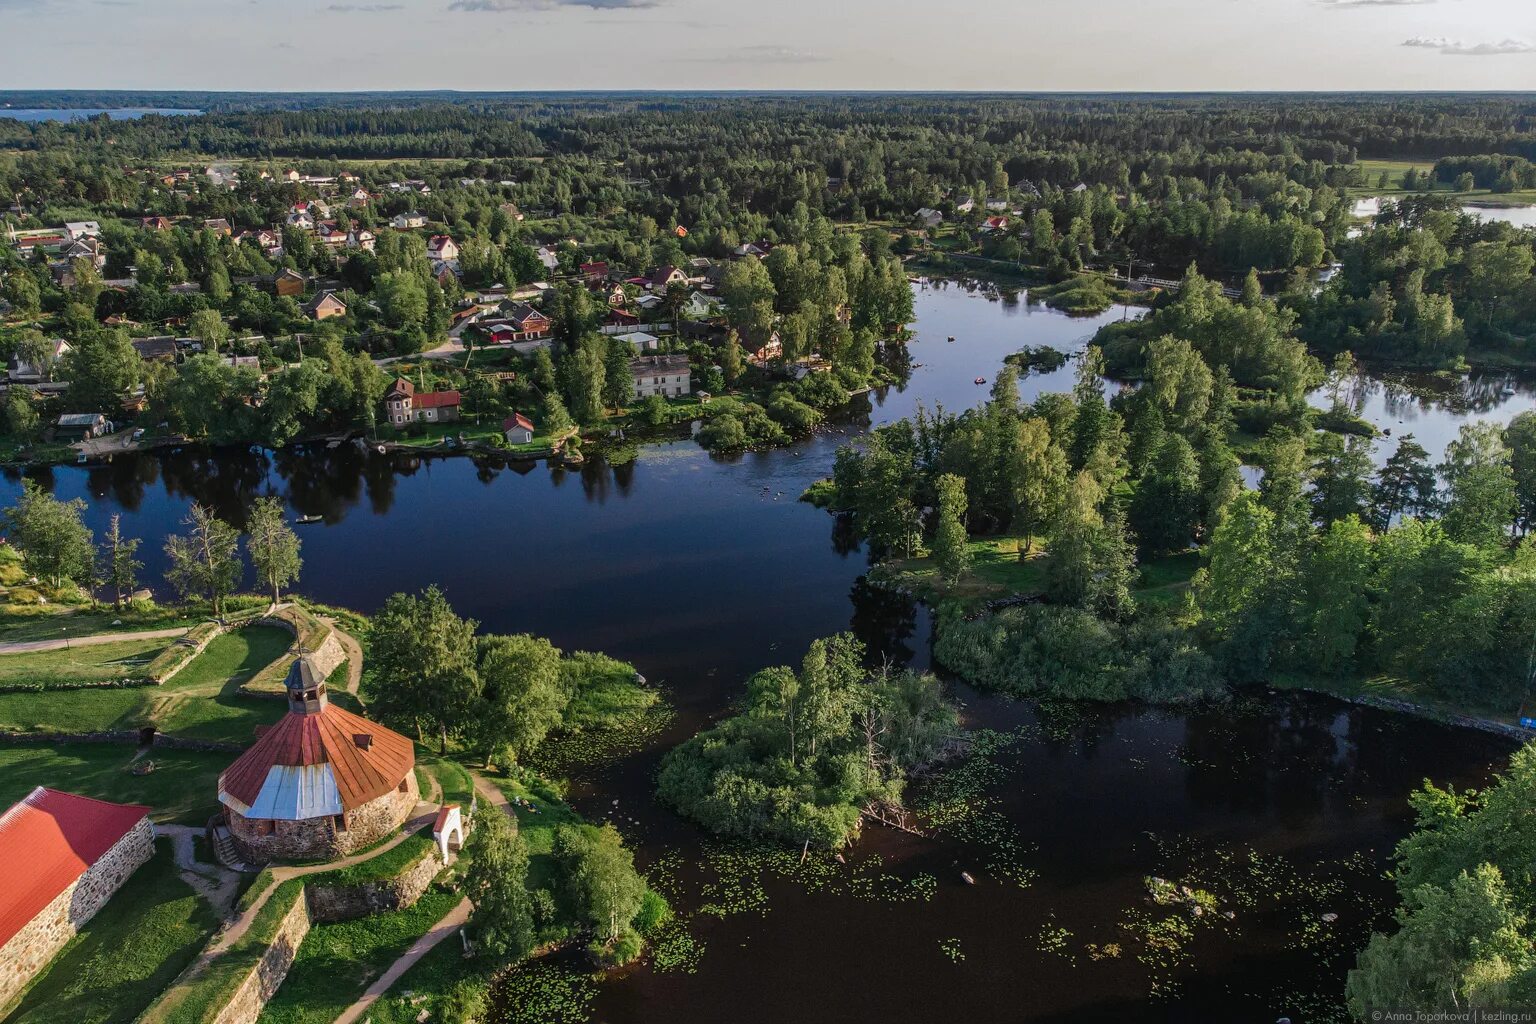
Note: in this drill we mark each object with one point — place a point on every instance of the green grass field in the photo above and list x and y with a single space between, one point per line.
1395 169
201 701
126 954
182 788
89 663
337 961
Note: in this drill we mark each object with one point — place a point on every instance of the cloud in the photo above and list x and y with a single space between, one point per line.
1341 4
499 6
761 54
365 8
1457 48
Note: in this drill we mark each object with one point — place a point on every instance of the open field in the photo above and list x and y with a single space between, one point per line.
182 788
94 663
1395 169
201 701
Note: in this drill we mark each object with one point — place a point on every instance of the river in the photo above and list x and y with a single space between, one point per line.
701 570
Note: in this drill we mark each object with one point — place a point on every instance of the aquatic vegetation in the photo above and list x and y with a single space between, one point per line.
674 950
951 949
542 992
954 801
1053 938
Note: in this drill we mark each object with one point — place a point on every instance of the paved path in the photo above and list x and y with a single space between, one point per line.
440 933
30 646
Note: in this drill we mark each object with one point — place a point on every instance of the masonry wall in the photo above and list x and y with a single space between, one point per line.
263 981
30 949
346 902
318 838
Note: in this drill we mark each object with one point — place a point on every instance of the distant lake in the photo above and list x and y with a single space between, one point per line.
81 113
1519 216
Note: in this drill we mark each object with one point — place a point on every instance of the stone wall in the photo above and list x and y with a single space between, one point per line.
345 902
263 981
30 949
318 838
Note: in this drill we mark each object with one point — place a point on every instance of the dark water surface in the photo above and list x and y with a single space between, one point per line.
701 570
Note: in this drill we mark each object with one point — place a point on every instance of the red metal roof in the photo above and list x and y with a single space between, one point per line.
517 419
47 841
435 399
325 737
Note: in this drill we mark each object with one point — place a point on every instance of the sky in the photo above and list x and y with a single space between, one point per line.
992 45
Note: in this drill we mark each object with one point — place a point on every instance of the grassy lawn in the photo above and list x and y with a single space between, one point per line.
1164 581
201 701
337 961
182 788
126 954
50 622
995 572
90 663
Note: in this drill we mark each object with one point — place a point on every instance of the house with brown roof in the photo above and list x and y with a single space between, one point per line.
442 247
326 305
155 223
404 405
64 857
663 278
288 282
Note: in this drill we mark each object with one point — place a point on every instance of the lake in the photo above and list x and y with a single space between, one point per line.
1519 216
701 570
36 114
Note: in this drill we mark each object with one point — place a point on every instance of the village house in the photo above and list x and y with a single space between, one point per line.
321 782
404 405
360 238
288 282
157 349
517 429
548 257
81 426
994 224
663 278
442 247
326 305
406 221
530 323
359 198
21 371
77 229
64 856
511 210
641 340
668 376
155 223
760 353
218 225
594 272
929 217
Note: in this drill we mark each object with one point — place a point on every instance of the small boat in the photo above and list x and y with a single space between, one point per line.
965 876
981 380
306 520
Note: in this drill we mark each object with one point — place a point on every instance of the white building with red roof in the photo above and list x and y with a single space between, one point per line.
63 856
320 783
